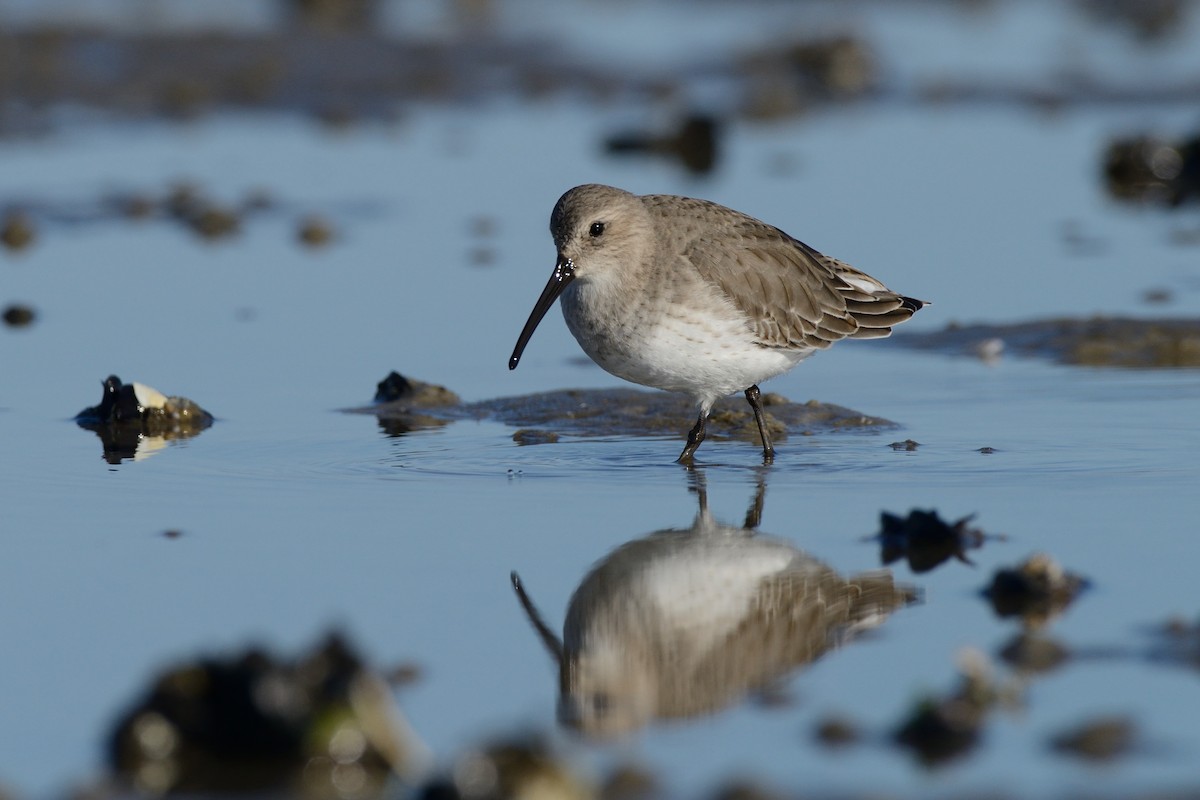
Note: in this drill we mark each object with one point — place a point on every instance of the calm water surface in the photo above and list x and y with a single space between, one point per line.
296 518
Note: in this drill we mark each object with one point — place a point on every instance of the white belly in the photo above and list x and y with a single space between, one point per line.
706 353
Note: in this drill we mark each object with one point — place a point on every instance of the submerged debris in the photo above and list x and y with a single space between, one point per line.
523 767
530 436
408 404
253 723
1099 739
16 230
796 76
133 420
1037 590
137 402
314 231
631 782
925 540
19 315
1098 341
604 412
1149 20
1178 642
1032 653
333 15
695 144
942 729
835 731
403 405
1146 169
395 388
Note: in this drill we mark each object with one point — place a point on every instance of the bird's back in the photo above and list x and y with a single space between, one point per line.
793 297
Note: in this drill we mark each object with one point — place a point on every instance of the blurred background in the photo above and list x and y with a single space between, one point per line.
266 206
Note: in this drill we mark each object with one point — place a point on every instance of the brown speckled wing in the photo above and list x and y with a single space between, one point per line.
797 616
793 296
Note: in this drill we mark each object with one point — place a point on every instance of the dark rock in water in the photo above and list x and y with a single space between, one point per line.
925 539
403 404
1036 590
333 15
1100 739
833 731
1033 653
695 144
214 222
631 782
939 730
132 416
605 412
1098 341
136 402
1146 169
254 723
314 231
519 767
395 388
18 316
1177 642
1148 20
16 231
530 436
784 80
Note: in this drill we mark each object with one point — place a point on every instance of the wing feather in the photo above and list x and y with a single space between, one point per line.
793 296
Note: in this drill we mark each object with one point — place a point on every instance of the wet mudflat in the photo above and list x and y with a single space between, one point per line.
961 575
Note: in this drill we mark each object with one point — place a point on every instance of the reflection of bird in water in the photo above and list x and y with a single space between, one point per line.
684 622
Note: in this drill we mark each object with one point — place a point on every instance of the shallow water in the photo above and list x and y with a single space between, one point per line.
295 518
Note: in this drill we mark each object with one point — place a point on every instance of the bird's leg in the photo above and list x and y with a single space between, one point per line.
695 437
754 513
754 398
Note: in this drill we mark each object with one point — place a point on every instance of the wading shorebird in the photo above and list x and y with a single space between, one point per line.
689 296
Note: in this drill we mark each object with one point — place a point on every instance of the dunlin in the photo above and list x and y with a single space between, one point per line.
689 296
686 621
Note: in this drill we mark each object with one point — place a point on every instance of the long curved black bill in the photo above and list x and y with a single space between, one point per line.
564 273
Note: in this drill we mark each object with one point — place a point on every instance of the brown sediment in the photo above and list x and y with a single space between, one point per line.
544 417
1095 341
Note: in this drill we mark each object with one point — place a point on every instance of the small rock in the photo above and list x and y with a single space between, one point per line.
1037 590
396 388
836 732
695 144
1031 653
19 316
531 436
1100 739
252 723
314 231
214 222
628 782
16 231
939 730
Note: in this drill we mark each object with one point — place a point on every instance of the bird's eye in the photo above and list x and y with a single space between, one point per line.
596 229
